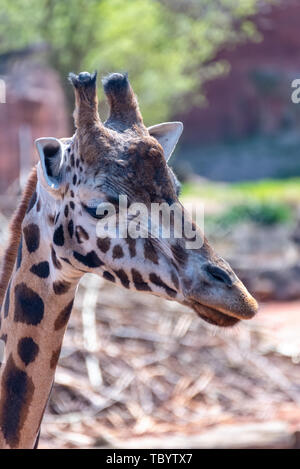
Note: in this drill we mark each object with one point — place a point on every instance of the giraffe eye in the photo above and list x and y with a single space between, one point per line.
93 212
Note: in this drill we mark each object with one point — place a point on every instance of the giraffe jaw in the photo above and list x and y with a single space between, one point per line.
214 316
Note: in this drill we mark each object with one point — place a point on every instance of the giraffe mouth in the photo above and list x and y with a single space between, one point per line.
214 316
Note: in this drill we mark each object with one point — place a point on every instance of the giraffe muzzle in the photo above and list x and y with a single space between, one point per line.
225 317
220 298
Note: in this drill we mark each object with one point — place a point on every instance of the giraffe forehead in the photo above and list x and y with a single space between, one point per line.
138 167
121 151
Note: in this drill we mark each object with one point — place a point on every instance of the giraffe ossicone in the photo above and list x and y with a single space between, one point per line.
54 243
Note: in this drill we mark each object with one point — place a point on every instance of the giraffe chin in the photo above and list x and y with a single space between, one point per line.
213 316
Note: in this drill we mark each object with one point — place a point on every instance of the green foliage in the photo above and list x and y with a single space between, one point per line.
267 202
165 45
276 190
286 191
260 213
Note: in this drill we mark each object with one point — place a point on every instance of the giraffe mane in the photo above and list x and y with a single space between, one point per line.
15 229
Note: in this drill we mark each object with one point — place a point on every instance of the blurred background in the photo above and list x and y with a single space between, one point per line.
138 371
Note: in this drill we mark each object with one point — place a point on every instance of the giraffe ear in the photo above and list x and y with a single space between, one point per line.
167 135
51 152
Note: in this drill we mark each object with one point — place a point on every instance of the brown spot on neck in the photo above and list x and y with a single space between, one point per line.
180 254
138 281
103 244
61 287
150 252
63 317
156 280
131 245
16 396
117 252
54 358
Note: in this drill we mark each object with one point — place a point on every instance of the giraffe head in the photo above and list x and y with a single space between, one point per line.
121 157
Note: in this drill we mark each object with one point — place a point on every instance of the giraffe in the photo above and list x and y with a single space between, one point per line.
54 242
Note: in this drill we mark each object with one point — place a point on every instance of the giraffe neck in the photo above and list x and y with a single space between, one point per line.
34 316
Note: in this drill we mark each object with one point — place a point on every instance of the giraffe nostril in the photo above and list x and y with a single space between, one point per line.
219 274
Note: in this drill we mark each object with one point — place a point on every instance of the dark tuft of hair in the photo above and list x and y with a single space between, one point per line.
116 83
84 79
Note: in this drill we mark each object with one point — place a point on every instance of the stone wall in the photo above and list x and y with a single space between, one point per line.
35 107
